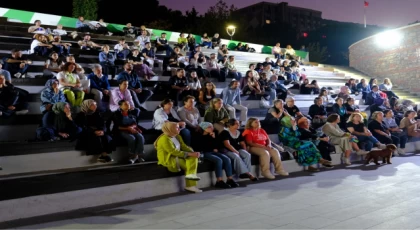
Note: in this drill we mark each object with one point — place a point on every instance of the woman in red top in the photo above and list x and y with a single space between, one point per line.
259 144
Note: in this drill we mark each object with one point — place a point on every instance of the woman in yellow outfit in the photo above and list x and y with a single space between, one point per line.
175 155
69 83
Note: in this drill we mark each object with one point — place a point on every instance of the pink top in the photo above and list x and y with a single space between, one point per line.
116 96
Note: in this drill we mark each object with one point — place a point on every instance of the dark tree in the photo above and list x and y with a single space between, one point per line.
86 8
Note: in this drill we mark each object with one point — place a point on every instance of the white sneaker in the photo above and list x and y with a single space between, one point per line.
22 112
382 146
23 76
193 189
192 177
362 152
401 151
17 75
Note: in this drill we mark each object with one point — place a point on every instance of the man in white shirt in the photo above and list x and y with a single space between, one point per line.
59 31
143 38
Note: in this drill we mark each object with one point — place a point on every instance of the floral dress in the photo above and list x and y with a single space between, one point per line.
306 152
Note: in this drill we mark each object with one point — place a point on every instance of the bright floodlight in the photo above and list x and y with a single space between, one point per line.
389 39
231 27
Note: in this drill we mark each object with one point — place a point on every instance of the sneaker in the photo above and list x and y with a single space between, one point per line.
133 160
221 184
232 183
193 189
105 159
382 146
362 152
192 177
139 160
282 173
17 75
401 151
395 153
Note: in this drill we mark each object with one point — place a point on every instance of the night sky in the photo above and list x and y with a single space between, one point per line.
389 13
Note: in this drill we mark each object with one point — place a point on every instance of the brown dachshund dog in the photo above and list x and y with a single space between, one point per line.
384 153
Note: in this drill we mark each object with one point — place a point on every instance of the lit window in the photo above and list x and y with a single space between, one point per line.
267 21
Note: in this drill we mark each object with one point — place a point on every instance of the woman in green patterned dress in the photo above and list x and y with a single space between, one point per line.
306 152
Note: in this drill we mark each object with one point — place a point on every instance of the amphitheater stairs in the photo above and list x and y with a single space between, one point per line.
42 178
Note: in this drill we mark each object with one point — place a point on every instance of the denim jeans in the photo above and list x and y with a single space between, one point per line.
370 141
135 142
399 138
221 162
241 161
208 44
186 136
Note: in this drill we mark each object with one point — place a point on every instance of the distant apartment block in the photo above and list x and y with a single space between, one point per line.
259 14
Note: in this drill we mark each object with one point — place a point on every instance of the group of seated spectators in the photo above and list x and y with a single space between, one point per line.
204 127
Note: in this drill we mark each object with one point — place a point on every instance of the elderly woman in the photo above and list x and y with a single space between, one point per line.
64 125
175 155
166 113
93 138
69 83
341 110
190 114
271 122
345 140
209 145
306 153
291 108
357 128
398 136
217 114
260 144
125 125
235 148
51 95
318 113
344 93
308 133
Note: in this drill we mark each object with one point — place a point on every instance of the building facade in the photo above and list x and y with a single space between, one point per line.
260 14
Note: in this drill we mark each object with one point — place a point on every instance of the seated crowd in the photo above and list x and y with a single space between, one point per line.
196 124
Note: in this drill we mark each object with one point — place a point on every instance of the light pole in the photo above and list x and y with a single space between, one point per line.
230 31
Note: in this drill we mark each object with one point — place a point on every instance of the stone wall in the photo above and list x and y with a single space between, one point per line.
400 63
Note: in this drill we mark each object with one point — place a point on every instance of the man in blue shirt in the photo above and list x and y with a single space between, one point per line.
139 94
232 101
107 59
99 85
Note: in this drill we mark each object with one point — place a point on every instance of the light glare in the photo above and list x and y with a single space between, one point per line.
389 39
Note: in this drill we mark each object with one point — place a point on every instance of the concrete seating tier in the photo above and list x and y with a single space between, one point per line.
40 178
